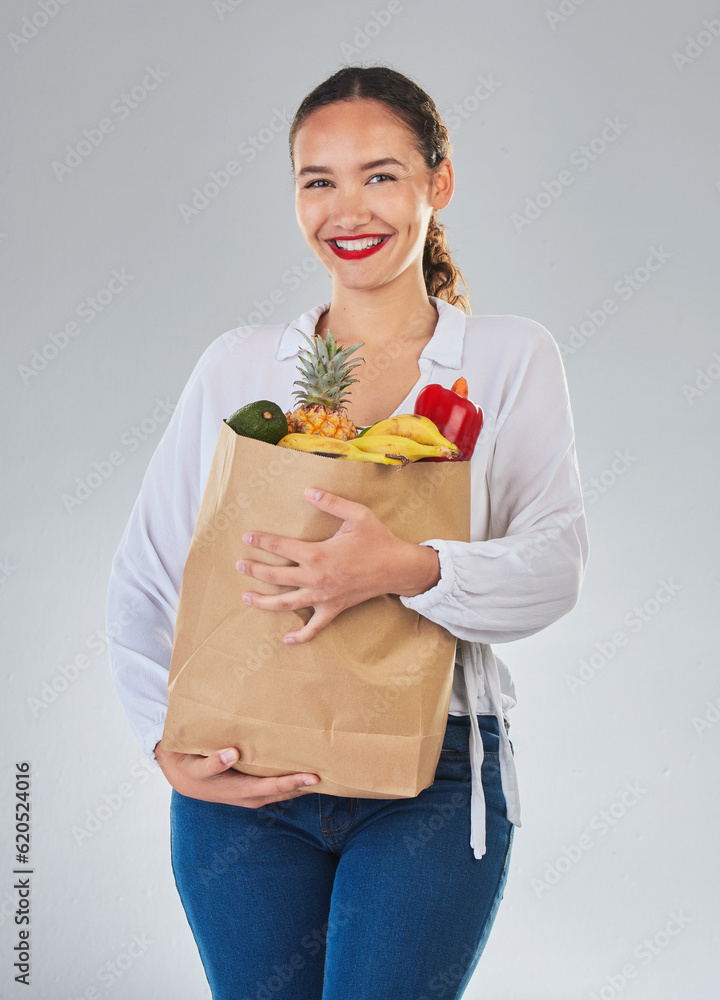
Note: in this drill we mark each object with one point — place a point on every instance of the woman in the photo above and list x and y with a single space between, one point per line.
319 895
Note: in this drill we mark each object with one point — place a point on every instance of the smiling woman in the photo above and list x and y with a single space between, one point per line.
358 897
355 125
368 186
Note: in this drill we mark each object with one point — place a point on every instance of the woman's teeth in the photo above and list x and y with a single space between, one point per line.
358 244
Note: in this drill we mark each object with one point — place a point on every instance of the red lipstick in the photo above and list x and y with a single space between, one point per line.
358 254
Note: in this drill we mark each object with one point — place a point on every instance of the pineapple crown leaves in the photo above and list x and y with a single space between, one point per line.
326 370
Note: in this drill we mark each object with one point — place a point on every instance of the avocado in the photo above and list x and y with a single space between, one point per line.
262 420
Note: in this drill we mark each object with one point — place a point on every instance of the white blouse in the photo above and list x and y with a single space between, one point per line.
521 571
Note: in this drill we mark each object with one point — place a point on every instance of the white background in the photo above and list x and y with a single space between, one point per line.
644 382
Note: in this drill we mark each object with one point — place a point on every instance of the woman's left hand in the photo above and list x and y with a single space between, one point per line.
361 560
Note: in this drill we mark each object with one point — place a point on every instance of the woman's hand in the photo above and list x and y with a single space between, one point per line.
361 560
212 779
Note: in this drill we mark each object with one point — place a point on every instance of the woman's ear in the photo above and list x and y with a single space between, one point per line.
443 184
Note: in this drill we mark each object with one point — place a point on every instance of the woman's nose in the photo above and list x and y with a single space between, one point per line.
351 211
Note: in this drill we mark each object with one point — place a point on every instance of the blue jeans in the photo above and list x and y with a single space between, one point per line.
322 897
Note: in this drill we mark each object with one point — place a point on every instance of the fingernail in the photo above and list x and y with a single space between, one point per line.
246 598
310 781
314 494
288 638
240 565
227 756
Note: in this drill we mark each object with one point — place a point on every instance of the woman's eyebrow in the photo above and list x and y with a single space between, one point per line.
384 162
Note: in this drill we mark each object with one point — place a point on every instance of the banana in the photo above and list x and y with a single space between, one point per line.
411 425
318 444
395 444
314 443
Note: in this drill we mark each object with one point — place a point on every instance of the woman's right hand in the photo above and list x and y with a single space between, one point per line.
214 780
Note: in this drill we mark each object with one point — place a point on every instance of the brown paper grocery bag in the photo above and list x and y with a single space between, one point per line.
364 703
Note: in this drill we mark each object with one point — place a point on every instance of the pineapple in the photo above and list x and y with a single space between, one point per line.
321 399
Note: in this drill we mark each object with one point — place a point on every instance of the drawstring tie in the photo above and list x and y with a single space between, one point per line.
479 666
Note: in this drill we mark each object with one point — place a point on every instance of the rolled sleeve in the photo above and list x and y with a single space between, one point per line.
422 603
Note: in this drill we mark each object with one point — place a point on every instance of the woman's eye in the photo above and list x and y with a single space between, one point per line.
321 182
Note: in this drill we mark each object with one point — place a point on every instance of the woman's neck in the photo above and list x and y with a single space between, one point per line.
380 315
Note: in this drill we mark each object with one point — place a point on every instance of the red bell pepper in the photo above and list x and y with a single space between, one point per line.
456 417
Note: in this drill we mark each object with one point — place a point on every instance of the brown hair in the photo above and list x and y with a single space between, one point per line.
417 112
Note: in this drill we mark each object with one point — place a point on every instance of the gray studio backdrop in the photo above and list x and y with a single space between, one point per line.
587 197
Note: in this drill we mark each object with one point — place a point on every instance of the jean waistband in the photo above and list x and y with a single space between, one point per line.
465 719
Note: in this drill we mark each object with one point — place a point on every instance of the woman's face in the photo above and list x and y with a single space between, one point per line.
342 192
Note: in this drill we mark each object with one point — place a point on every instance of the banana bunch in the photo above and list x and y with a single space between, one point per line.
318 444
421 430
395 444
396 441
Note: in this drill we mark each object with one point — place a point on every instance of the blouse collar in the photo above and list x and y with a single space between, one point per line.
444 347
